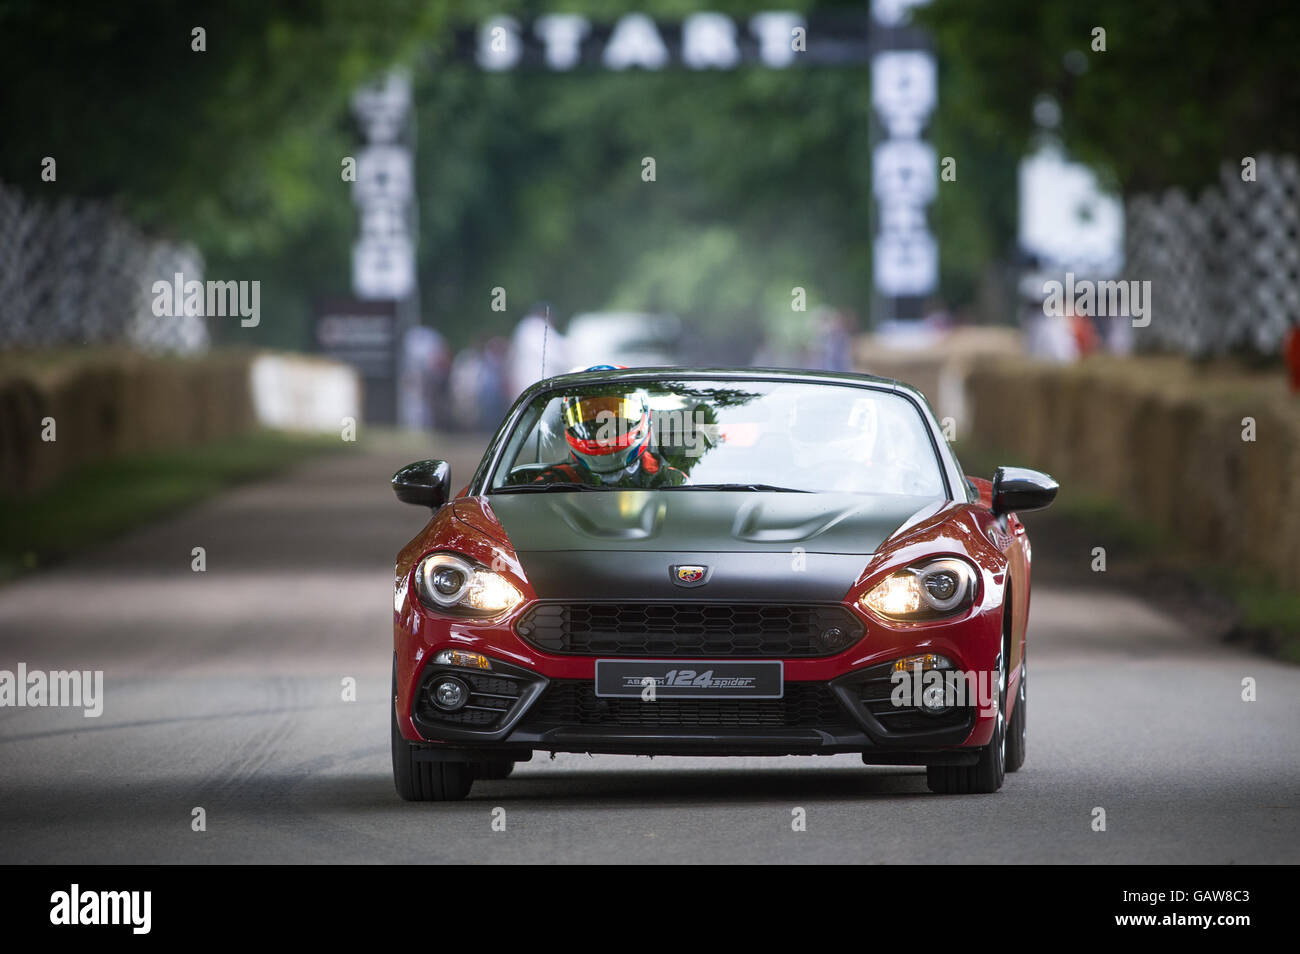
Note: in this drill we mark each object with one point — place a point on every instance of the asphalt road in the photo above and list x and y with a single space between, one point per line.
224 691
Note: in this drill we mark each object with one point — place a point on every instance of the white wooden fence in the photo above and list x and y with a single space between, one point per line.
76 272
1224 266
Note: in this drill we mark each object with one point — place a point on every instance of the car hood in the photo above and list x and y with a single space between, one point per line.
689 520
621 544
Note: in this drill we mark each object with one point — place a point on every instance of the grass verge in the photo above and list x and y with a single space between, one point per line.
101 500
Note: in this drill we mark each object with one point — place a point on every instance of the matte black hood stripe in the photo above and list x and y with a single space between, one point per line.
645 575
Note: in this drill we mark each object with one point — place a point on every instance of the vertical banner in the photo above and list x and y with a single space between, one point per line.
383 256
904 168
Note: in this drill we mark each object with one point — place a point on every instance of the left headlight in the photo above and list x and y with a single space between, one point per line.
924 591
453 584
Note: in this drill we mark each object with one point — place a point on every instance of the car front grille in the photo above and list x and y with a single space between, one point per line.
689 628
573 702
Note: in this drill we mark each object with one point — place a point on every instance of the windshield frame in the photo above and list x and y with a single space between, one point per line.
949 471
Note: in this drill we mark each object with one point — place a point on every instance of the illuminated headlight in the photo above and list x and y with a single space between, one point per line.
452 583
925 591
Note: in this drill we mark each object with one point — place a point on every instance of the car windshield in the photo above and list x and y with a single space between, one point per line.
700 435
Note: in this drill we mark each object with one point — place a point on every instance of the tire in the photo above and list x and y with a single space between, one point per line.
494 770
1016 728
420 781
985 776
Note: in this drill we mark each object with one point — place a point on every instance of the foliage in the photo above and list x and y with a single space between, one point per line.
53 523
1179 88
236 148
529 181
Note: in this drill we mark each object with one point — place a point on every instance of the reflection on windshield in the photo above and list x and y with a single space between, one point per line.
770 436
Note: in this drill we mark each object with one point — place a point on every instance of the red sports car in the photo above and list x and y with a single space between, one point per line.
713 562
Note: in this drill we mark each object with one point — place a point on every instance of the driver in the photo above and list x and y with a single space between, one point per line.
609 444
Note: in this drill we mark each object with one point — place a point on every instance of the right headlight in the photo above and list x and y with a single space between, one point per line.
927 590
451 583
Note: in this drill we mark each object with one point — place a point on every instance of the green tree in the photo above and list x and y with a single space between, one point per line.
1179 87
236 148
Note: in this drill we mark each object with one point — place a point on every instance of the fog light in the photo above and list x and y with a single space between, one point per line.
934 698
449 693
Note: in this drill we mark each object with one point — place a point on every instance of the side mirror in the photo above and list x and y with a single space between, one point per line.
426 483
1019 488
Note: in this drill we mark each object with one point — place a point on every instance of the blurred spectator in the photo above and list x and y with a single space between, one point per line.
937 316
1084 329
832 345
1046 337
425 363
1049 338
466 378
479 398
1291 354
494 394
536 351
1118 335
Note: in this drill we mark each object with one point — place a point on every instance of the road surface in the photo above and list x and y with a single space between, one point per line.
224 692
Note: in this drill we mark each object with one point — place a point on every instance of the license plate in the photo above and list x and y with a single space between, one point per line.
690 679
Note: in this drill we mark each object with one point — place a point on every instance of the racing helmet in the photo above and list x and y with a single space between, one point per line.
607 432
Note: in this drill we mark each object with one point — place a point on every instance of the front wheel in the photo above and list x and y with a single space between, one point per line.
1017 727
986 775
421 781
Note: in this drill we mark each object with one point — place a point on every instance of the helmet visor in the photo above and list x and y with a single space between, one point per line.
604 424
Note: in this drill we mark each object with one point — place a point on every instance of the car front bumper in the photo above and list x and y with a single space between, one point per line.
515 711
535 700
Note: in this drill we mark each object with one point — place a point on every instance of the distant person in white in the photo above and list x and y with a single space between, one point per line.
425 357
537 350
466 376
